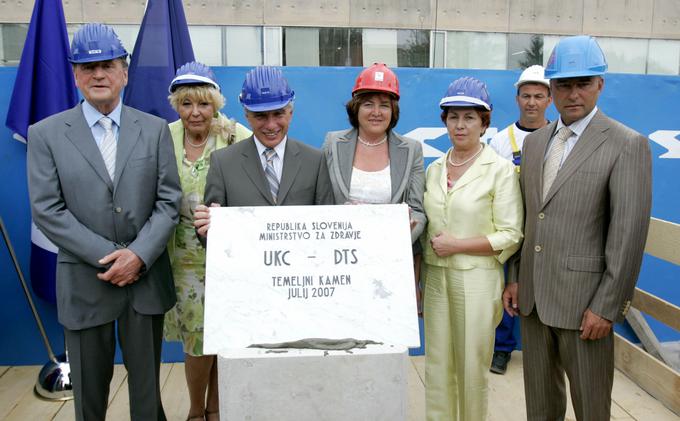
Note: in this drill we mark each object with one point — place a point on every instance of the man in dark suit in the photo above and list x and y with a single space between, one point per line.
269 168
586 182
104 188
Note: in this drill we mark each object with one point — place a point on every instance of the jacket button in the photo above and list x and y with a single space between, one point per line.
118 210
538 249
541 215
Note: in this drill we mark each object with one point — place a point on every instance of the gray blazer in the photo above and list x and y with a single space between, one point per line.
406 171
75 204
583 245
236 177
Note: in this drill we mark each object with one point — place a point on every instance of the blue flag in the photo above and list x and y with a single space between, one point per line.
162 46
44 86
44 83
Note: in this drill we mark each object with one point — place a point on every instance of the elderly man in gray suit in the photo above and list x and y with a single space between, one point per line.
269 168
586 181
104 188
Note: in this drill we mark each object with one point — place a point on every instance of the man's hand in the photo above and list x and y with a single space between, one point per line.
510 303
593 326
124 270
202 218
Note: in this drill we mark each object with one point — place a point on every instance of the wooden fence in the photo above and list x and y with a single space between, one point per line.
655 370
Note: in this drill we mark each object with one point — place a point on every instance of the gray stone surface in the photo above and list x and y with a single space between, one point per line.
369 384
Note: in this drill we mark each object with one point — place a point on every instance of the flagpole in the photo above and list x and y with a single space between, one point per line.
54 381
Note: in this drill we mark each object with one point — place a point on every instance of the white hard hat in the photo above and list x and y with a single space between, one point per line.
533 74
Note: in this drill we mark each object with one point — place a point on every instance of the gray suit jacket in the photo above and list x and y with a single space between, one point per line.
406 171
236 177
75 204
583 245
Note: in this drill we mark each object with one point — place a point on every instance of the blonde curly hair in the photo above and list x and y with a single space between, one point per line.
220 125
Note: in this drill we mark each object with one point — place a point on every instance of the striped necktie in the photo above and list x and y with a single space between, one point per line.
107 146
554 158
269 155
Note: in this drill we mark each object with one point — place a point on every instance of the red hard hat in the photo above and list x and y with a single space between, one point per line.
377 78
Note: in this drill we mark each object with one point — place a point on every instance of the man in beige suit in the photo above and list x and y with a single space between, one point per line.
586 181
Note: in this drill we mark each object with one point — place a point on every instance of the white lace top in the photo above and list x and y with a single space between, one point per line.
371 186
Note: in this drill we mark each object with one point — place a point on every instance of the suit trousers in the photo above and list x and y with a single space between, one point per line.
462 310
548 354
91 354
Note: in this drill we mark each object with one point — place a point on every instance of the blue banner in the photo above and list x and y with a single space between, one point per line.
646 103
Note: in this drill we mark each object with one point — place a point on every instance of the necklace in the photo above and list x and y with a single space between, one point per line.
195 145
369 144
456 164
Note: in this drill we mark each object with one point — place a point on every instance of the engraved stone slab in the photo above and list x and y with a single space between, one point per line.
368 384
279 274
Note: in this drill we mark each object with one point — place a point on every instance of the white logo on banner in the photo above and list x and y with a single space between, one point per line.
668 139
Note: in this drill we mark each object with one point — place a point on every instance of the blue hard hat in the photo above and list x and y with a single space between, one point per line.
194 73
265 89
576 57
95 42
467 92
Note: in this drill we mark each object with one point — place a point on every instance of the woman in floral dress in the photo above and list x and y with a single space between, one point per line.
201 129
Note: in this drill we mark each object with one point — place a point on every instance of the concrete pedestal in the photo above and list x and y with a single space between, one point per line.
310 385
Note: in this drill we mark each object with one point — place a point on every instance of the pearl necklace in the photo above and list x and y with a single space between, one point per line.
455 164
195 145
369 144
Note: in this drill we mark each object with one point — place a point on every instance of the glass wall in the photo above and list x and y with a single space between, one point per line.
12 37
476 50
309 46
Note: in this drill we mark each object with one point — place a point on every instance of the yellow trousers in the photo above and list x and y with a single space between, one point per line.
462 309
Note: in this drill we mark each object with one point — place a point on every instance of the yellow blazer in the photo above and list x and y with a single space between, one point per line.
486 200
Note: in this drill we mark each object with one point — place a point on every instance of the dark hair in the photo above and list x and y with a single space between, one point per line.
484 115
353 105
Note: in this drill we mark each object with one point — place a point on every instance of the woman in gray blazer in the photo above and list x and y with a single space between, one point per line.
370 163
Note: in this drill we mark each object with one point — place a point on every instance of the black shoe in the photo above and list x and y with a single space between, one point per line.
499 364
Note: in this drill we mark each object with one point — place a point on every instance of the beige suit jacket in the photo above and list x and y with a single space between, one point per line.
584 243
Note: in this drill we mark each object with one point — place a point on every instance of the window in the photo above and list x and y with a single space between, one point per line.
13 38
664 57
625 55
380 46
476 50
438 49
413 48
524 50
340 47
301 47
272 46
243 45
207 44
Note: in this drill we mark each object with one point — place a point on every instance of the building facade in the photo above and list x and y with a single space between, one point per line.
638 36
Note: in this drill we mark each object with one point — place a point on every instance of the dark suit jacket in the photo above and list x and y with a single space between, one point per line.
583 244
236 177
75 204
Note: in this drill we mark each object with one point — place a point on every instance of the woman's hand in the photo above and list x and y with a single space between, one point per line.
202 218
444 245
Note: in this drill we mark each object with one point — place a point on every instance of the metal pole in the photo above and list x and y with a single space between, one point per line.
54 380
20 274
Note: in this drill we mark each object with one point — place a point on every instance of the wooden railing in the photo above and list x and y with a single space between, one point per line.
653 370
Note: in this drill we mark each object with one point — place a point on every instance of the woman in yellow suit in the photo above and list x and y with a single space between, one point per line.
474 208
